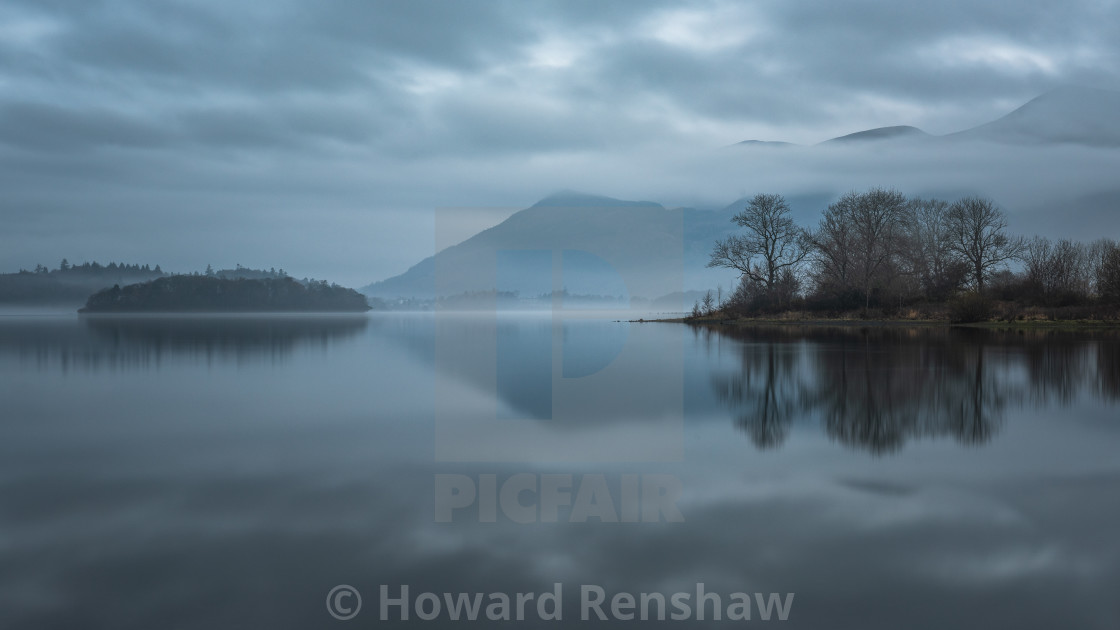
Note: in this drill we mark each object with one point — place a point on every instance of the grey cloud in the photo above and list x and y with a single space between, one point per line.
282 127
52 127
127 116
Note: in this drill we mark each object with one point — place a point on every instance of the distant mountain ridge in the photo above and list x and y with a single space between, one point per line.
882 133
1066 115
648 251
606 247
575 199
1074 115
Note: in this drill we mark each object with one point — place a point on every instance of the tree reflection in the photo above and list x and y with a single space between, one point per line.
877 388
759 394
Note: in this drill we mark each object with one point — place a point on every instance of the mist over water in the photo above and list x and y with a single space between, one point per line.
230 470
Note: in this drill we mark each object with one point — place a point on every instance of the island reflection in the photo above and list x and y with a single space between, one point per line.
148 341
876 388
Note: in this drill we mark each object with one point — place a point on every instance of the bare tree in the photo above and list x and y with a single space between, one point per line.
1108 275
773 243
1059 273
833 244
878 218
1036 262
927 253
978 232
707 303
1069 280
858 239
1095 255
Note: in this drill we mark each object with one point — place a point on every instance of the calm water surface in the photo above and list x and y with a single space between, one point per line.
222 472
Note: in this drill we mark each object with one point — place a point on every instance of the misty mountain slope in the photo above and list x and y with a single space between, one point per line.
900 132
649 245
614 247
777 144
1076 115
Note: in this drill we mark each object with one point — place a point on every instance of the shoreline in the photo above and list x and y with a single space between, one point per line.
891 323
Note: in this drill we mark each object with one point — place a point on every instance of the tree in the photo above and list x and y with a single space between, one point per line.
707 303
857 242
833 244
978 235
1036 264
1060 273
927 253
877 216
209 271
1108 275
1071 271
64 265
772 245
1095 255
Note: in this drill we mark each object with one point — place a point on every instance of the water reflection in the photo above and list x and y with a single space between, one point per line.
877 388
124 342
237 495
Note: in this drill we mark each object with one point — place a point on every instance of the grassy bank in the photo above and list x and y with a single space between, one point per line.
1007 319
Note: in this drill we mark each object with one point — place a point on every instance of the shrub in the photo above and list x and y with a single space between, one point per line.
970 307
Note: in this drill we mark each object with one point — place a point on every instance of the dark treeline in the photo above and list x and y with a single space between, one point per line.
246 273
70 284
877 388
91 268
206 293
879 252
75 283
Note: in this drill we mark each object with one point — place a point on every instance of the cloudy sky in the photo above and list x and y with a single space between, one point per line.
321 135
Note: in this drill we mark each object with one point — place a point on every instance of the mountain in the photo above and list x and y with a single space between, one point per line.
1076 115
591 245
605 247
882 133
1067 115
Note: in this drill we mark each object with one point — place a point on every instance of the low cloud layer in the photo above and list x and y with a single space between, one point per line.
320 136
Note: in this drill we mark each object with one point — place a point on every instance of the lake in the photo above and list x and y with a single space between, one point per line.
232 471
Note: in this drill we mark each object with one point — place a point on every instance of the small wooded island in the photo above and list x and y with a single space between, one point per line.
211 294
